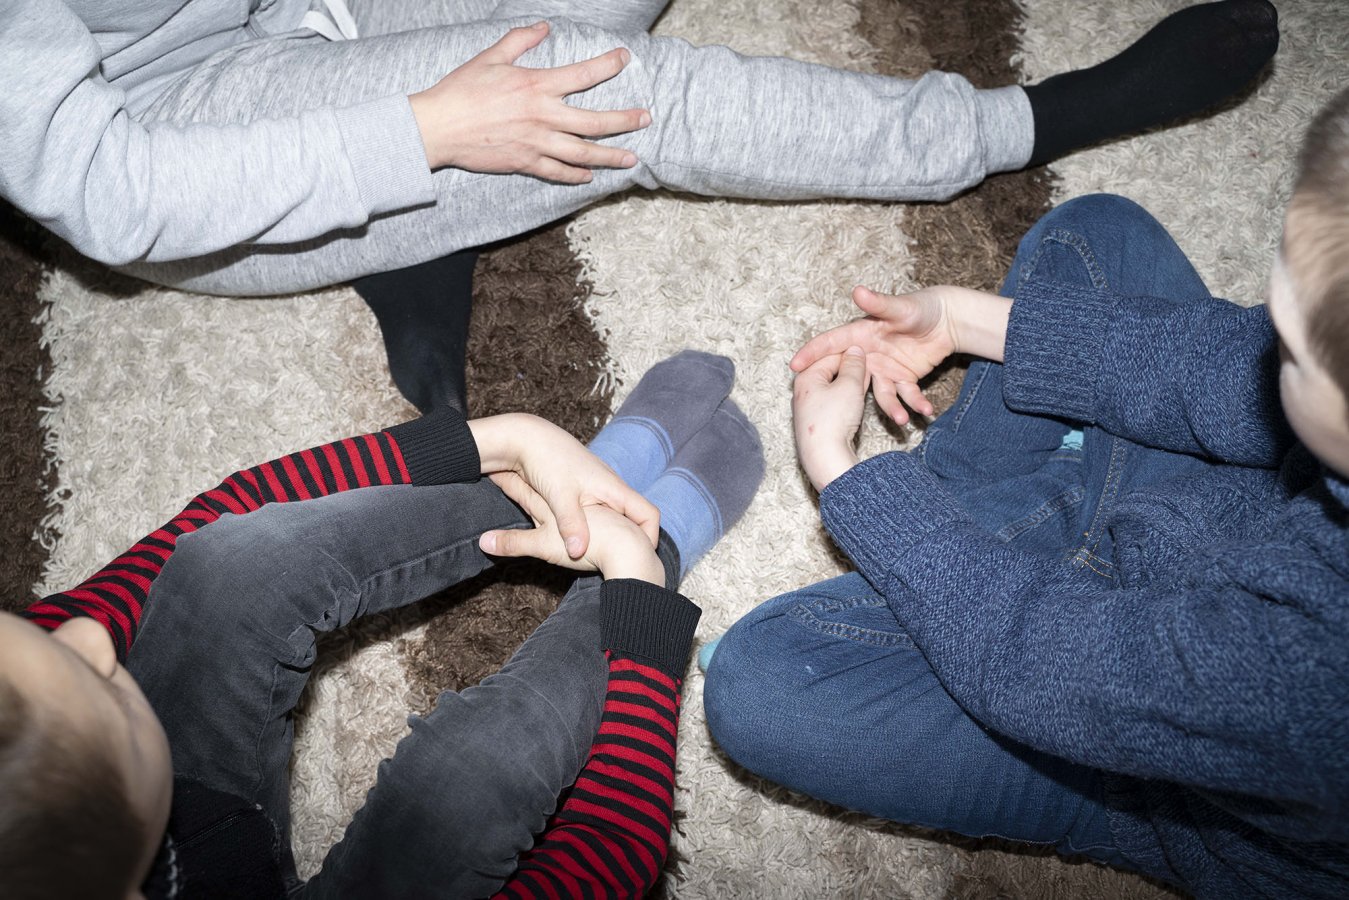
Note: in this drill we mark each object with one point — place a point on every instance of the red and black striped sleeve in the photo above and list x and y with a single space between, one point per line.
435 449
611 835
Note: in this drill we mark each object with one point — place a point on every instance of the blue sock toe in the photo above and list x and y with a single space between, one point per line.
672 403
709 484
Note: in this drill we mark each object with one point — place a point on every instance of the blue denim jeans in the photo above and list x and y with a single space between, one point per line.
228 644
822 691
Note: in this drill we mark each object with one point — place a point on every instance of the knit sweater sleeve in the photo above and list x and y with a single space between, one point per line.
1213 687
1199 376
120 191
610 837
435 449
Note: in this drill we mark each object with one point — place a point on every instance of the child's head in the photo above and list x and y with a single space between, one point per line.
85 775
1309 291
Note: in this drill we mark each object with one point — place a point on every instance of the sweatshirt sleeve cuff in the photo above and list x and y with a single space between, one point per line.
640 619
1055 341
879 509
388 159
438 448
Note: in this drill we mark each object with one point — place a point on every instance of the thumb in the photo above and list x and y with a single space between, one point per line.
571 524
853 370
897 310
515 43
515 542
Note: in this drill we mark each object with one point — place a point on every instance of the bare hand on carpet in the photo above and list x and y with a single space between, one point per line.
906 336
827 403
490 115
553 471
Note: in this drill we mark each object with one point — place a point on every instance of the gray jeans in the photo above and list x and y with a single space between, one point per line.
227 646
723 125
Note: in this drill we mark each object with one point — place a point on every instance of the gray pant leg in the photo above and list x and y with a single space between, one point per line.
227 646
472 784
386 16
724 125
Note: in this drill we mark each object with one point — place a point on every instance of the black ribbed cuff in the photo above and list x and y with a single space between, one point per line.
438 448
639 619
668 554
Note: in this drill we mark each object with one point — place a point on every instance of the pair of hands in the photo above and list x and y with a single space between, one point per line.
585 517
490 115
900 340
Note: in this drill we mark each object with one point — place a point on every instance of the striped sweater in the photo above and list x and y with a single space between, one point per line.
610 836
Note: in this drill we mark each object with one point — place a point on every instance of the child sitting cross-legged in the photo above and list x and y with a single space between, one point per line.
1104 605
168 776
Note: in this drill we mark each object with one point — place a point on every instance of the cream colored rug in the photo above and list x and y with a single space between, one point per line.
156 395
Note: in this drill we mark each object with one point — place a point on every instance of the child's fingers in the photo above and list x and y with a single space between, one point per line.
584 75
825 344
913 397
533 542
551 170
523 495
887 398
515 43
852 369
571 523
601 123
578 152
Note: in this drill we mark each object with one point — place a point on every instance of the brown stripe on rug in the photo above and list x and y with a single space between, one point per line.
25 476
531 349
970 241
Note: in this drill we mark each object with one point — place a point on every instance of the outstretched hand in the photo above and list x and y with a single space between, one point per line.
904 338
560 475
490 115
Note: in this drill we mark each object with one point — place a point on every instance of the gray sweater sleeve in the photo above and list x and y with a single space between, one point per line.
119 191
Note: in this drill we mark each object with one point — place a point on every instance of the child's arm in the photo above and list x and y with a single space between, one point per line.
436 449
1200 376
442 448
1231 682
611 835
123 191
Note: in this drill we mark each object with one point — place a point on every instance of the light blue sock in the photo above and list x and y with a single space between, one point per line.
709 484
672 402
705 653
1073 440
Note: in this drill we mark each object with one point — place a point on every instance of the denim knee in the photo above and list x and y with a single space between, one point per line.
1121 245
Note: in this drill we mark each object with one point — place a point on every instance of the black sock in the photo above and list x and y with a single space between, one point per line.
423 313
1188 62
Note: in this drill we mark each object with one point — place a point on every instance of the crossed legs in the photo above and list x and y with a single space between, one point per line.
227 648
823 691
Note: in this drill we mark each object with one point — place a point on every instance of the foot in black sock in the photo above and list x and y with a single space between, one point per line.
423 313
1190 61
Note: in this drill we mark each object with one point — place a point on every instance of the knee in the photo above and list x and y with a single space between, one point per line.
236 576
1097 210
739 691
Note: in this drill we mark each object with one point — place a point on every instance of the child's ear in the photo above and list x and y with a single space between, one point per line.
90 641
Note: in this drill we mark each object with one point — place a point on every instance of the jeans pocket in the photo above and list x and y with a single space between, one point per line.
865 620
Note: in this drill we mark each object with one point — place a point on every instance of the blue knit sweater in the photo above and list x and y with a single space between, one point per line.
1211 679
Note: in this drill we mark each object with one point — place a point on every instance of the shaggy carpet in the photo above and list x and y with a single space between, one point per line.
122 400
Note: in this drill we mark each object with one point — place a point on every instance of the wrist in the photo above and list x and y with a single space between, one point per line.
424 115
501 440
824 464
638 562
978 322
